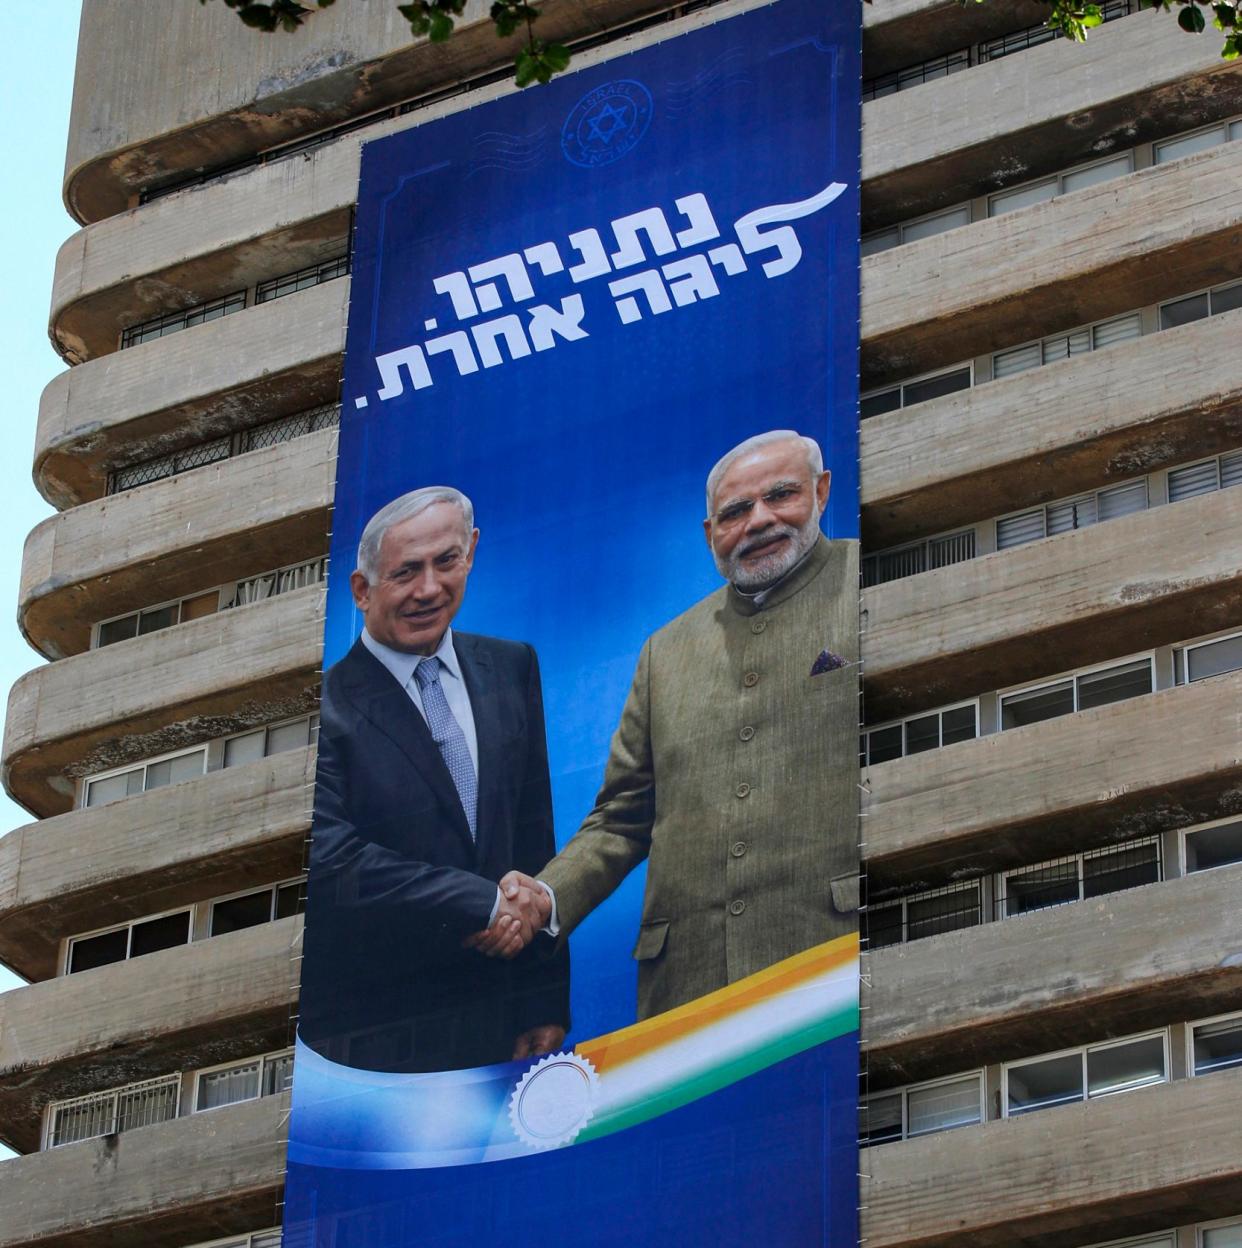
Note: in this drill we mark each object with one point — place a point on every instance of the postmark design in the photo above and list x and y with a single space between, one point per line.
607 123
554 1100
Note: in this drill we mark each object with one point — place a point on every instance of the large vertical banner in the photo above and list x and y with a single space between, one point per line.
581 940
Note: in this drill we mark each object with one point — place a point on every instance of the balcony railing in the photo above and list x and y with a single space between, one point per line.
121 1109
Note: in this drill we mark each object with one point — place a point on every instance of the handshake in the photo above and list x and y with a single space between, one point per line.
524 910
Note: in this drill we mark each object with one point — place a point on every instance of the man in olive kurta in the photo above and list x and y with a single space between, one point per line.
734 768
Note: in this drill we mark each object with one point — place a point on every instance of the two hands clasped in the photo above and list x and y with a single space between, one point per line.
523 911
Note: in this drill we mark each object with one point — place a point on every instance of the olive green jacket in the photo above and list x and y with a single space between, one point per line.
734 770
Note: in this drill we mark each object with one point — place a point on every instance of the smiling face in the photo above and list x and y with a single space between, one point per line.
422 568
765 514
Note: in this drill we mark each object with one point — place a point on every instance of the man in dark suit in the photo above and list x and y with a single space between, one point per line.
432 783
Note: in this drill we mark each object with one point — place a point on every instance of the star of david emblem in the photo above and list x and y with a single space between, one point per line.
607 123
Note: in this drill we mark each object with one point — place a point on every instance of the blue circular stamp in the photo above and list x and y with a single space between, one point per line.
606 123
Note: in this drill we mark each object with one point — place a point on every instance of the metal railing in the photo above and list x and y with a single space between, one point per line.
934 552
122 1109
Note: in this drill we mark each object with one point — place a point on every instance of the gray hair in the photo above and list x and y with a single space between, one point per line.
406 508
814 456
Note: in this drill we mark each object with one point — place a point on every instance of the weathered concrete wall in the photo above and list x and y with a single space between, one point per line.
1163 761
1078 1174
229 374
1149 579
178 1183
1046 981
215 524
1074 425
151 852
213 1001
184 685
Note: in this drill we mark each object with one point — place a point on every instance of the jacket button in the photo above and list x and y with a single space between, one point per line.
746 733
758 626
736 907
738 848
743 789
750 680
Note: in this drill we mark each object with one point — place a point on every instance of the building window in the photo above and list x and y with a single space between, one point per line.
923 914
912 231
1085 1074
925 556
106 1113
1062 346
1058 184
249 747
1216 1045
1033 36
1069 514
1077 693
1205 477
130 940
286 428
260 1239
175 322
919 390
1223 1235
922 1109
1216 845
303 279
919 733
1207 658
153 619
1082 876
915 75
264 905
1206 303
146 776
243 1081
281 581
1196 141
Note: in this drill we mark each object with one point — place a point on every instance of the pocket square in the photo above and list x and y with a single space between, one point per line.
826 662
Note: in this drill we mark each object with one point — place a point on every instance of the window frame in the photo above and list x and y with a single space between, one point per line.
1191 1072
1181 136
924 544
905 1089
900 227
1074 675
1217 1224
900 386
172 1080
1191 294
948 890
1184 833
1089 328
70 941
143 764
1079 859
1059 178
99 625
1181 668
868 729
262 1059
272 889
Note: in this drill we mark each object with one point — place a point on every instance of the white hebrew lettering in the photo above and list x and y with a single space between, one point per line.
458 290
783 239
696 280
629 250
650 284
729 257
702 228
546 256
459 344
546 323
594 260
507 327
390 366
509 267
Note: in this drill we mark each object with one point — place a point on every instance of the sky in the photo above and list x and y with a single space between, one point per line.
36 84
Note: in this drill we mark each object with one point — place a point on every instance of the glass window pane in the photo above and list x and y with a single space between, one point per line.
289 900
107 790
1118 167
1128 867
1044 1083
1183 311
1235 130
118 630
1007 363
945 912
1226 299
157 618
1121 329
1214 847
923 734
1214 658
934 387
187 766
294 736
877 404
883 241
884 744
959 724
1022 197
1230 470
1121 500
156 934
244 749
880 1119
1193 480
1218 1046
277 1074
942 221
240 912
266 1239
93 951
1114 684
157 775
1019 709
227 1087
202 605
1041 887
1175 149
884 925
943 1107
1223 1236
1018 530
1121 1067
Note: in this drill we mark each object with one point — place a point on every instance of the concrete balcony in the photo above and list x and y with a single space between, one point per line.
180 1009
1149 579
1036 111
179 536
228 672
1135 768
213 379
181 1182
152 852
1079 1174
1052 432
1068 975
1071 260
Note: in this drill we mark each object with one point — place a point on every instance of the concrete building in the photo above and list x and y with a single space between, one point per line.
1052 760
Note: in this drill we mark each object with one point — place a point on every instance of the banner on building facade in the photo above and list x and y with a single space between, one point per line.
581 952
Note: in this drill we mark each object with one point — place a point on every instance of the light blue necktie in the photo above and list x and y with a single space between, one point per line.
447 734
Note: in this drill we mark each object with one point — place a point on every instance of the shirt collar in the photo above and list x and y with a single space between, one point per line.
402 665
802 572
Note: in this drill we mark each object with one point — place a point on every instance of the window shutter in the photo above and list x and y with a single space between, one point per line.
1192 480
1020 529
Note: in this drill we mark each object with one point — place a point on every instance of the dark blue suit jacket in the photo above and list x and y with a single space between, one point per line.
396 881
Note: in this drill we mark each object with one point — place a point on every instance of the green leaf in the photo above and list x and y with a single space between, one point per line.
1230 51
557 57
1190 19
525 67
440 26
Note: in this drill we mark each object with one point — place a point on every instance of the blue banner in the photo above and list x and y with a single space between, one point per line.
581 932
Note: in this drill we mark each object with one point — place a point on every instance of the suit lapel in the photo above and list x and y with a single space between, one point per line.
480 678
378 697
